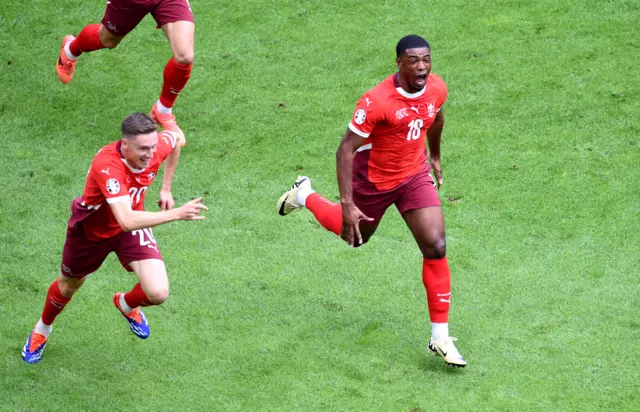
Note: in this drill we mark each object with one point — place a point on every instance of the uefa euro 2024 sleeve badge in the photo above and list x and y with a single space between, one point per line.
113 186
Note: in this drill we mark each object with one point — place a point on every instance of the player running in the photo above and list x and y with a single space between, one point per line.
175 19
110 217
382 160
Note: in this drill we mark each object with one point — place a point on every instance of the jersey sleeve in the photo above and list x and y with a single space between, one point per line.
166 143
368 112
442 94
111 179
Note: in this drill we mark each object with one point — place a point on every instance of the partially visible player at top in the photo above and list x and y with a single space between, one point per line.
382 160
175 19
110 217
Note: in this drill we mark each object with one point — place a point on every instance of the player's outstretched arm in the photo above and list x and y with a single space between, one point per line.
139 219
170 165
434 132
351 215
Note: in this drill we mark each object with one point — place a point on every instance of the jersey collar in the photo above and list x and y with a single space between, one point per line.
404 93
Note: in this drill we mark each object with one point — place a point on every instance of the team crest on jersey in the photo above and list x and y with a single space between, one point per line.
113 186
151 175
432 110
401 113
360 116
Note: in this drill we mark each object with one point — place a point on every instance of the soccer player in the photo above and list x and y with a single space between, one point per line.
175 19
382 160
110 217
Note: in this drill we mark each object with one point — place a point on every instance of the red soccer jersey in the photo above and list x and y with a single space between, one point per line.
395 125
111 180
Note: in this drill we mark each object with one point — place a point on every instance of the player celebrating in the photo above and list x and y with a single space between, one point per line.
110 217
381 161
175 19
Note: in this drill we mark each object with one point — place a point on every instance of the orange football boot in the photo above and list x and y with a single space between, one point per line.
32 351
65 66
168 122
137 321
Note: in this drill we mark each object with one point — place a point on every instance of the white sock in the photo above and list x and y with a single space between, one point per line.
439 331
302 195
43 329
70 55
126 309
162 109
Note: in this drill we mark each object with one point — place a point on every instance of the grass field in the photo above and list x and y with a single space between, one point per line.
541 156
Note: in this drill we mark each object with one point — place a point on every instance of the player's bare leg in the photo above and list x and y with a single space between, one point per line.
92 37
427 227
152 289
176 74
58 295
108 39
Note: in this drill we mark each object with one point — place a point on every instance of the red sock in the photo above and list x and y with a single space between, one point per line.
54 304
176 76
136 297
437 281
88 40
327 213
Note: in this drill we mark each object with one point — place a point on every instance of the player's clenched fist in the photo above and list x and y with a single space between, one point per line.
191 210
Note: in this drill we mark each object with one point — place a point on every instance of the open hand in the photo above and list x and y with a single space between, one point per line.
351 217
191 210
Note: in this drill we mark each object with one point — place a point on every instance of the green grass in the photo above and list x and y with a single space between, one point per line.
267 313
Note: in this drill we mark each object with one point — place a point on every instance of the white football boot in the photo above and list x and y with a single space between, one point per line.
288 202
448 351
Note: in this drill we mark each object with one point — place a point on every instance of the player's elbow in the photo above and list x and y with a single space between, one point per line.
343 151
126 226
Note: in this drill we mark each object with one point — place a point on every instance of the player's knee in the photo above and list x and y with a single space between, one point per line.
158 296
68 286
437 249
110 43
183 57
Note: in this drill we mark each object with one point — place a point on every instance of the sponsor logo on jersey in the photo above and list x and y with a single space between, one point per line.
113 186
368 101
401 114
415 109
360 116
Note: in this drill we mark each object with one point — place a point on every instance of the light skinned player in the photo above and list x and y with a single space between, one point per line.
174 17
382 160
110 217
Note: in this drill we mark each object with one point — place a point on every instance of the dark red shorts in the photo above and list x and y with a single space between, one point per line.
415 192
122 16
81 256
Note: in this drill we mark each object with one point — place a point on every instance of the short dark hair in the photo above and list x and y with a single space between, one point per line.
137 123
411 41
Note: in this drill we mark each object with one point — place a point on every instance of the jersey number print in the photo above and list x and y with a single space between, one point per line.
415 126
135 194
